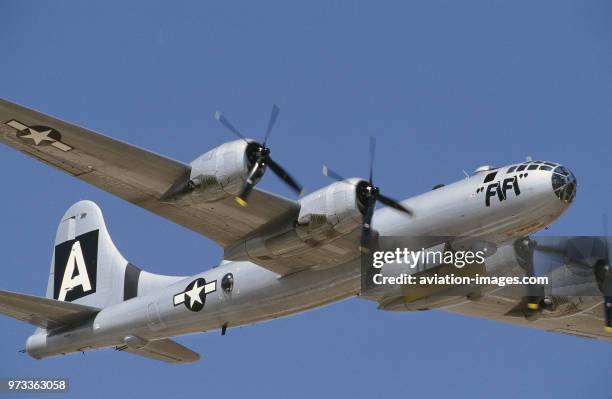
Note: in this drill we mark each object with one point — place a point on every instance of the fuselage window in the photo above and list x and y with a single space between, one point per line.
532 167
521 168
490 177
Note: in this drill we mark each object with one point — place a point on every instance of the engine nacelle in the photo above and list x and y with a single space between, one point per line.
325 216
336 206
220 172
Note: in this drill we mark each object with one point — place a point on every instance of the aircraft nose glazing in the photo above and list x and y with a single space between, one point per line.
564 184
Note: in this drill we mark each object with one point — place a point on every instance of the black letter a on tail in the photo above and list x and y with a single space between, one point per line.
75 269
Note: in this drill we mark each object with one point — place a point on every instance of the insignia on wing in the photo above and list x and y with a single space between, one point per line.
39 135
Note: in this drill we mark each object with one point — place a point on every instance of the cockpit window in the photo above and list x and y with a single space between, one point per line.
490 177
545 167
550 164
511 169
538 161
562 170
557 181
520 168
569 192
532 167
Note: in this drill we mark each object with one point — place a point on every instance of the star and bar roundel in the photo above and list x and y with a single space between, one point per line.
194 296
38 135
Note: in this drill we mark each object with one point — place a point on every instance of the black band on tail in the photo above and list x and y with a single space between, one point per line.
130 285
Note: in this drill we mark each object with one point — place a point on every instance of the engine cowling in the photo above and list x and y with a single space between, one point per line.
222 171
336 207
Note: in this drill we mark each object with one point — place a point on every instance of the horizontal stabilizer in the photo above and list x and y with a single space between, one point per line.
165 350
43 312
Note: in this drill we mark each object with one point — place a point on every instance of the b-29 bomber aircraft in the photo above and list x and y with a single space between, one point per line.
281 256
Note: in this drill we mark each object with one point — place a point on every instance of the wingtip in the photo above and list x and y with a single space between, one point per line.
325 170
218 115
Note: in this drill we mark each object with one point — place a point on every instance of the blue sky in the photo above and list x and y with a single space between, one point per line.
444 86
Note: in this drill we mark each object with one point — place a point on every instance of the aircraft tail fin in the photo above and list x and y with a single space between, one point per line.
88 269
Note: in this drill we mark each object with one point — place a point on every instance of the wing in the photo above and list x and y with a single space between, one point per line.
582 317
136 175
165 350
575 297
43 312
586 324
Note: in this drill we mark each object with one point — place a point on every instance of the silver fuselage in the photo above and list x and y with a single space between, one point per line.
458 209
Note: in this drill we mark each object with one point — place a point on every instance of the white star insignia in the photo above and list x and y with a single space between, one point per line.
38 137
194 294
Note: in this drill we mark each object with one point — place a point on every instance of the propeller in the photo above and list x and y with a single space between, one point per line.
579 254
259 159
603 272
525 248
367 196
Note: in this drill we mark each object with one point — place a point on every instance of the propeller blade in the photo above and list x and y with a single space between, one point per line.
366 229
330 173
607 288
394 204
225 122
525 248
372 152
243 197
605 231
273 116
284 176
563 251
548 249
